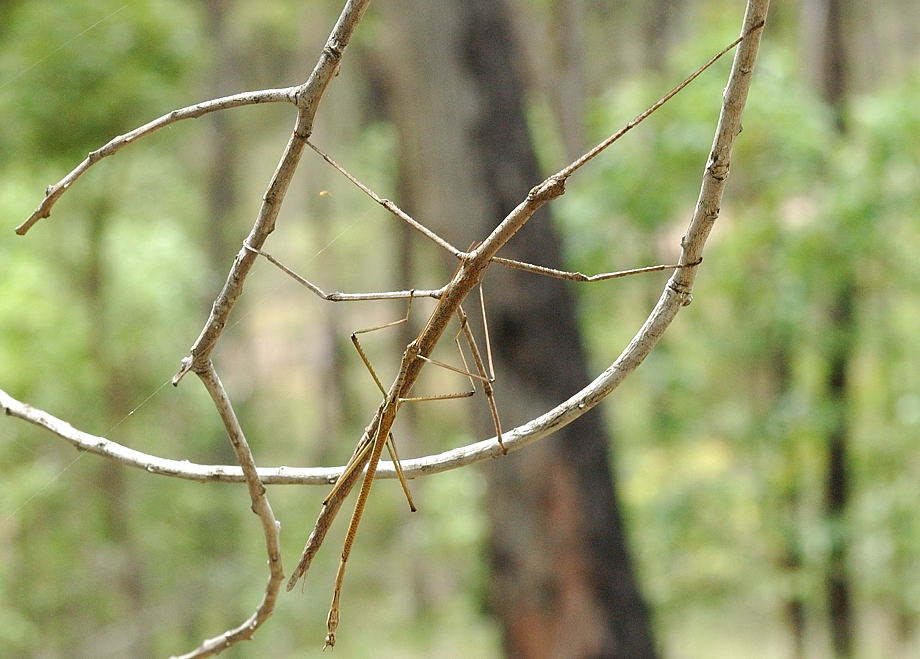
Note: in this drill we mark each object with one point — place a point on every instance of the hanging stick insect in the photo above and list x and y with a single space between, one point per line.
468 275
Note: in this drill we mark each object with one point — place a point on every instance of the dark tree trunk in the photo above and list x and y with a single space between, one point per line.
790 550
839 595
562 580
223 234
826 18
122 576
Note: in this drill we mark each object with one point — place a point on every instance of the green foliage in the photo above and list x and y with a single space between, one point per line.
64 104
718 436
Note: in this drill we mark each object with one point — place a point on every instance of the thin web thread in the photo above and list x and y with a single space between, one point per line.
102 20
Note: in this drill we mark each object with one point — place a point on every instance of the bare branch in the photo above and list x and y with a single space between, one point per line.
271 528
54 192
728 128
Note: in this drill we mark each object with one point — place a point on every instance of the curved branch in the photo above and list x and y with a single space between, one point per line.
54 192
271 528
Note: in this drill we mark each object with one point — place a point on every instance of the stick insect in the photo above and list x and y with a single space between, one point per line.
468 275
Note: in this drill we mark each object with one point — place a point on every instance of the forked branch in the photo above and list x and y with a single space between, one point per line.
308 97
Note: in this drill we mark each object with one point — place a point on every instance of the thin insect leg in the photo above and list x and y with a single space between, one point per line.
485 329
466 367
389 205
391 449
356 460
343 297
462 371
577 276
426 399
486 381
481 375
364 358
391 442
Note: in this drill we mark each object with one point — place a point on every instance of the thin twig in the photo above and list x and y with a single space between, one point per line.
54 192
271 528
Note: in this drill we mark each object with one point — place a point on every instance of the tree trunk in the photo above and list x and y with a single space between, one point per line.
123 576
826 20
562 581
223 234
839 590
790 550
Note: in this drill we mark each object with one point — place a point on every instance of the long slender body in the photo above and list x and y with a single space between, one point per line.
467 276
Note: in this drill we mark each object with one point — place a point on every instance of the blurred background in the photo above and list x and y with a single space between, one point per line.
751 491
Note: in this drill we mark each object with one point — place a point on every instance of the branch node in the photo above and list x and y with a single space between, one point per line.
185 365
548 190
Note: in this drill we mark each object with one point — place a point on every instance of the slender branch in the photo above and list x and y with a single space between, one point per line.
54 192
271 528
715 174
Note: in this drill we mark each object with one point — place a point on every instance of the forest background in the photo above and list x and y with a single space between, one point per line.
765 454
